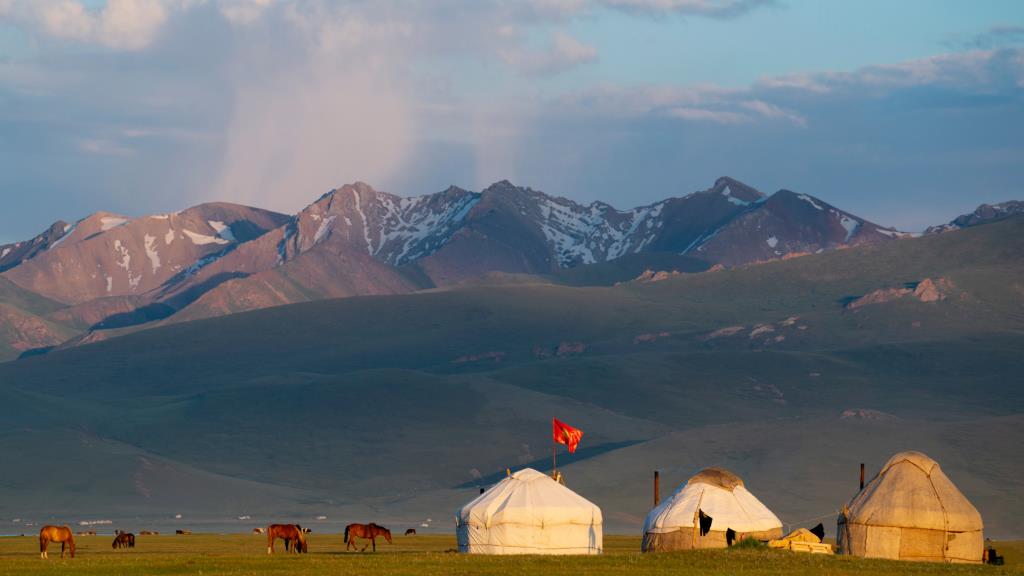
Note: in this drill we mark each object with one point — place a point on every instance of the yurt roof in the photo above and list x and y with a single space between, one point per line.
717 477
529 497
719 494
911 490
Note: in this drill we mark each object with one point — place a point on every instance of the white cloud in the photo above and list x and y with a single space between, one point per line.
564 53
244 12
120 24
705 115
772 111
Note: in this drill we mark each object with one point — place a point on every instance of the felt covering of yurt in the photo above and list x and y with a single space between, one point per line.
911 511
529 513
718 493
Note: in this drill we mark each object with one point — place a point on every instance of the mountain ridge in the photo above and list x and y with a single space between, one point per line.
114 272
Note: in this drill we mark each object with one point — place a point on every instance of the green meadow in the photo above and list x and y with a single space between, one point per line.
210 554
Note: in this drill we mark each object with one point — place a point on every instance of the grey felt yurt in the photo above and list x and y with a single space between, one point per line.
911 511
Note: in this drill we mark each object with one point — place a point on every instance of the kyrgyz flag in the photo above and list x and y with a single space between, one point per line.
565 434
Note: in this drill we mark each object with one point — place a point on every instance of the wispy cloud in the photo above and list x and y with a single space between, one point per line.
119 24
708 8
564 53
104 147
705 115
767 110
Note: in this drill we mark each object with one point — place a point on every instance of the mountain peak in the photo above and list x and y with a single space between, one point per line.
501 186
732 188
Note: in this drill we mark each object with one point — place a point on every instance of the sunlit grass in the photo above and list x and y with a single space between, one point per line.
426 555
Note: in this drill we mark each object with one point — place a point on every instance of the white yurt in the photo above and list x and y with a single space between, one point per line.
911 511
674 524
529 513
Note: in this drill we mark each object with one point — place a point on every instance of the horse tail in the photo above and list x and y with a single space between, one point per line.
346 533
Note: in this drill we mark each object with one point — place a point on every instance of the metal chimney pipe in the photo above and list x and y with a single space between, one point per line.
657 489
861 475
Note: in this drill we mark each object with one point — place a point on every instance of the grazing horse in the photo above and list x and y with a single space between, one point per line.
367 532
60 534
292 534
410 532
123 540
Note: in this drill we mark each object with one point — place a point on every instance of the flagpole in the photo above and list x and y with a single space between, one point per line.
554 462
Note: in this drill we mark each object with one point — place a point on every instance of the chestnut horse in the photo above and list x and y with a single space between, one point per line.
366 531
60 534
123 540
292 534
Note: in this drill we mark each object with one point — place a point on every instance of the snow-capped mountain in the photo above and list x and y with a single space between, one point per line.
215 259
106 255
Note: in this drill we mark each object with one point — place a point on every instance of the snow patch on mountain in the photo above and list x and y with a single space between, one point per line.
850 224
324 229
126 258
728 196
411 228
809 200
5 252
595 233
151 253
67 232
203 239
366 227
169 237
223 230
772 241
109 222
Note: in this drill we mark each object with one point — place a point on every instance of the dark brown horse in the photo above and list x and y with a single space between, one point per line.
60 534
292 534
123 540
366 531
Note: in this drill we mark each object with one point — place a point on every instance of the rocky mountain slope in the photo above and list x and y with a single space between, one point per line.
107 255
13 254
114 272
981 215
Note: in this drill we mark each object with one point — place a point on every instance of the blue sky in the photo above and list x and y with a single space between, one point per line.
907 113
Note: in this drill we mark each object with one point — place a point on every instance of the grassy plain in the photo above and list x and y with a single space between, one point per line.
210 554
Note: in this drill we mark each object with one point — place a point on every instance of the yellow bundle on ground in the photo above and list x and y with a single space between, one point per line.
801 540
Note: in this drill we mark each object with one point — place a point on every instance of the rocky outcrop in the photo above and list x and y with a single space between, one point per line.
926 290
865 414
878 297
650 337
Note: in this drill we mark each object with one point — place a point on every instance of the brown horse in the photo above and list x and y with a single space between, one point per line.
60 534
123 540
367 532
292 534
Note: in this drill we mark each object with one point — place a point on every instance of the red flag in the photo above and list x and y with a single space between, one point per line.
565 434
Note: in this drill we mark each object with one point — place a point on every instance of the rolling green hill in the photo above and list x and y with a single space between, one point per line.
396 407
